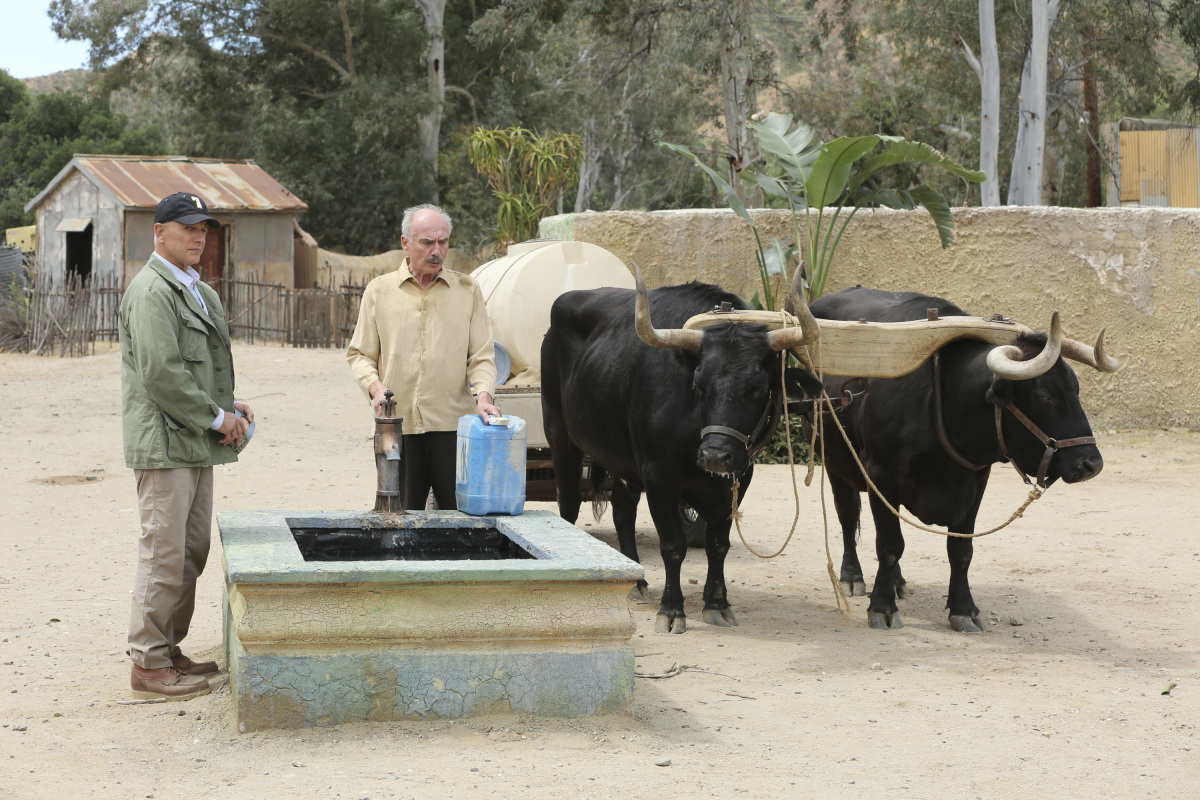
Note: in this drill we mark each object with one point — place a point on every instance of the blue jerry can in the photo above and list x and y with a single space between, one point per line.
490 466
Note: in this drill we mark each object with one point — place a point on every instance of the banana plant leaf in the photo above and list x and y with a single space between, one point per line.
831 171
938 208
774 137
788 146
776 254
904 151
730 195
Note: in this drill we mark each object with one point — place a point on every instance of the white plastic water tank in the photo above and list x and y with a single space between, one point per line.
520 287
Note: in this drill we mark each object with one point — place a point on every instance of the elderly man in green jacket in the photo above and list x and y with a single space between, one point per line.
179 418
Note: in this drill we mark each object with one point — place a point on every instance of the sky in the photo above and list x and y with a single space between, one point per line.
28 48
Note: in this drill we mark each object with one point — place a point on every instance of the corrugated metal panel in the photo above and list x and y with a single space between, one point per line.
1160 168
1183 168
140 182
10 267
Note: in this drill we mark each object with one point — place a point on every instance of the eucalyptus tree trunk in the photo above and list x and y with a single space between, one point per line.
429 125
1025 182
589 170
987 68
737 87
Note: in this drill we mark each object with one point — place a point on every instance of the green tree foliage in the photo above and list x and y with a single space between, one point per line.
1183 18
624 75
325 96
38 136
527 173
910 78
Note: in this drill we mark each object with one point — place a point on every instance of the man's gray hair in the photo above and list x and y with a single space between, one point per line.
407 223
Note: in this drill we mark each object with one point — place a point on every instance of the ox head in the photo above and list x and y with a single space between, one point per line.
736 380
1046 432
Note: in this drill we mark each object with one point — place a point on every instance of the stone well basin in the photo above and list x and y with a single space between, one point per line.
313 642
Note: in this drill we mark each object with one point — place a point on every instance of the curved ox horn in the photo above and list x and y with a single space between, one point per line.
1006 361
1094 356
808 332
676 337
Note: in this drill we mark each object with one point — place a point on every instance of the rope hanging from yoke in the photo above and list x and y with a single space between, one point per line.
1034 493
818 434
735 513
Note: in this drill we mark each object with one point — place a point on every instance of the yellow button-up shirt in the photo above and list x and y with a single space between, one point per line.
424 345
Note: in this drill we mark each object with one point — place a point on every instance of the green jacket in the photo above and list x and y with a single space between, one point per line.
176 371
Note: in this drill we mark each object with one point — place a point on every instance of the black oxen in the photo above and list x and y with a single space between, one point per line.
678 420
928 439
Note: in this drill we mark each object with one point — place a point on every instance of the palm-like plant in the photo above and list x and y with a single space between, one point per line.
528 172
828 179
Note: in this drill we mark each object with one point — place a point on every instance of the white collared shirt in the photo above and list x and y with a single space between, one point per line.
189 279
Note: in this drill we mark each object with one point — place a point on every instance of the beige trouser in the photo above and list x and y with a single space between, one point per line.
176 510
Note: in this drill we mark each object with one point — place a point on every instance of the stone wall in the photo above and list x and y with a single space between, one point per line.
1134 270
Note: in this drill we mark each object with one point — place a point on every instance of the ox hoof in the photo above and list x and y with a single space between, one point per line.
902 590
665 623
720 616
884 622
639 593
968 624
854 589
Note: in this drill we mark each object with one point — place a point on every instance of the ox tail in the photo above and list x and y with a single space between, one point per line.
599 494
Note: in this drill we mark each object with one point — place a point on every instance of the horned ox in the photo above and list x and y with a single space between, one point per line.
678 420
928 439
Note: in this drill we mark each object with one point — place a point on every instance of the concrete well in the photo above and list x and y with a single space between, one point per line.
324 642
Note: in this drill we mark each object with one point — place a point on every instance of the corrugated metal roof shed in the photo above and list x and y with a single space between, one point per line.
141 181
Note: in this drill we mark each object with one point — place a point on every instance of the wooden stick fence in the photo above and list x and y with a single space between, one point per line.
68 320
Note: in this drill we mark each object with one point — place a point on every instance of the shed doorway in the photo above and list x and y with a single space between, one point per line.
215 259
79 250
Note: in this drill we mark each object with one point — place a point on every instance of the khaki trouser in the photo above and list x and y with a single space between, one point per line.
176 513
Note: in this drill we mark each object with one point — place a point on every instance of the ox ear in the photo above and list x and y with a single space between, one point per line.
799 380
1001 392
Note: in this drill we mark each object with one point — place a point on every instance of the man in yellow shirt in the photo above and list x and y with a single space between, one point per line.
423 332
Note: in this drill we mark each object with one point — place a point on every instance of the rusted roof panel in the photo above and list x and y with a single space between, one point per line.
140 182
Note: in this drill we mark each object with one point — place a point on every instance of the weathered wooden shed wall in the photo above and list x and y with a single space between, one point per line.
139 242
77 197
260 245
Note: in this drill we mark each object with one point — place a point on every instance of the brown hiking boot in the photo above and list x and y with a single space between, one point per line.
189 667
166 683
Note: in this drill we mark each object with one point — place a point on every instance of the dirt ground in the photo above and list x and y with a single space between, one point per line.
1087 684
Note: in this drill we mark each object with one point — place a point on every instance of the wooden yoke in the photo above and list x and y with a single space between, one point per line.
873 349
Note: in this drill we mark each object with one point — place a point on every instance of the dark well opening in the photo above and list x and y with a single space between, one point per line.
405 544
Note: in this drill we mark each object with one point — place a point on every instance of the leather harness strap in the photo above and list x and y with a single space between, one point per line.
940 422
736 434
1052 445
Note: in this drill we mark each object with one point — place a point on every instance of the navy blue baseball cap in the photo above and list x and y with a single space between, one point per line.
185 208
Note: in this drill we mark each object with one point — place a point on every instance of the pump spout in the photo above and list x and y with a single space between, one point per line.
388 453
